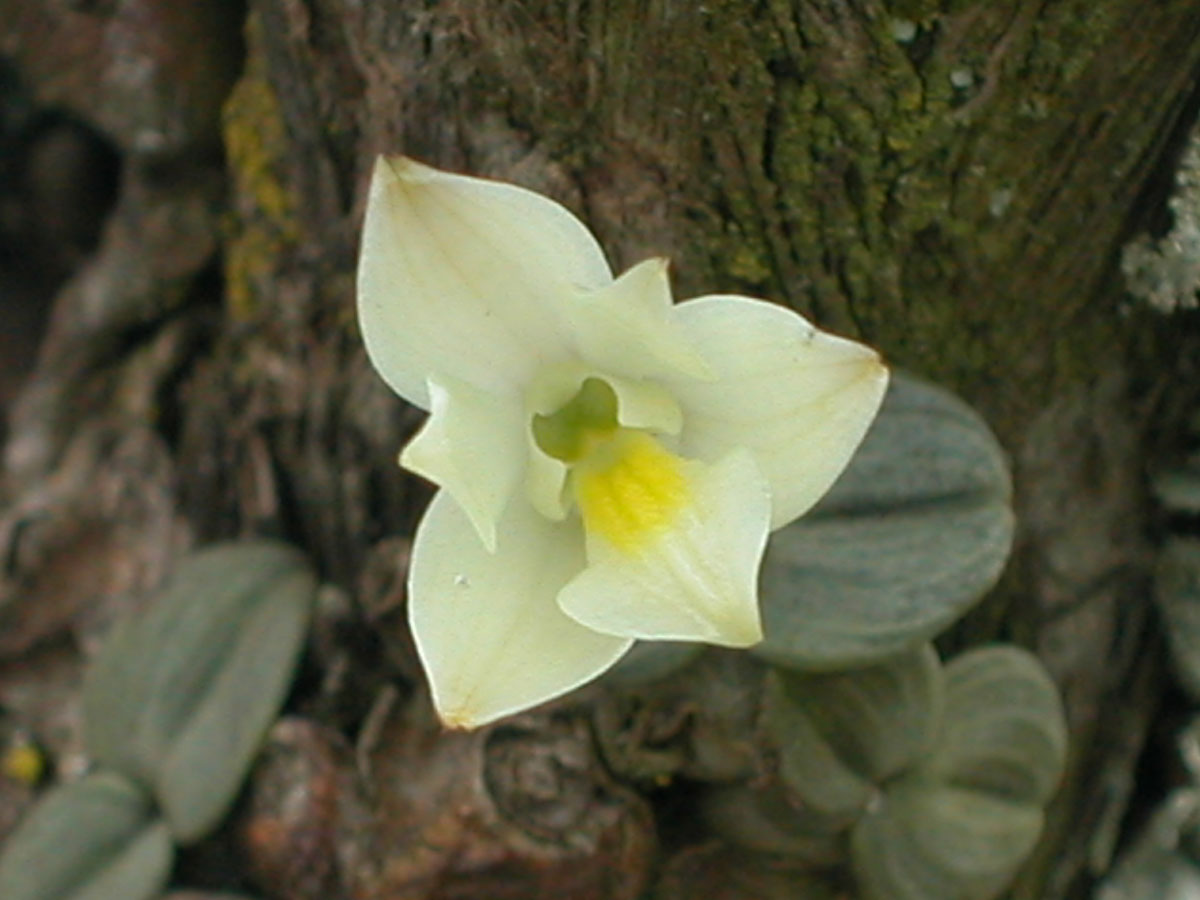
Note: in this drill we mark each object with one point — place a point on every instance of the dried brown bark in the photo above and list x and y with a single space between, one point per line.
950 181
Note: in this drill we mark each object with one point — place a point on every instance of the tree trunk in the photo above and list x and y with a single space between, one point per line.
950 181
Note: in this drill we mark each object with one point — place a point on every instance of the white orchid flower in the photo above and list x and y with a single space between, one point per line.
609 464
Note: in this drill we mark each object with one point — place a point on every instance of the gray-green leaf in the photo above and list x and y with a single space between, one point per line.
912 534
771 819
927 841
94 839
179 699
958 824
836 738
1004 731
879 720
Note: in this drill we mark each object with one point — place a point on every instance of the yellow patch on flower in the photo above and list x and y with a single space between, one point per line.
630 490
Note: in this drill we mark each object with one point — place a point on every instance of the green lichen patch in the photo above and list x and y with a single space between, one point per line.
263 223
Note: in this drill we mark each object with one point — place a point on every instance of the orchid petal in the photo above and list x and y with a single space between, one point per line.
467 278
645 404
467 425
626 327
546 482
485 624
799 399
695 581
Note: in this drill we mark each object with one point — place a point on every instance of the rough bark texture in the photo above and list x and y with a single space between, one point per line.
950 181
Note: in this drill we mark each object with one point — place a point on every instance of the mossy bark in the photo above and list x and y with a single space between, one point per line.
949 180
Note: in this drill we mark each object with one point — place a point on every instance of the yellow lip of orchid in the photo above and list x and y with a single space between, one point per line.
630 490
609 463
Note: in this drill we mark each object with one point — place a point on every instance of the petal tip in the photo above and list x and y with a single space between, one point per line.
740 634
868 367
458 720
397 167
877 370
460 710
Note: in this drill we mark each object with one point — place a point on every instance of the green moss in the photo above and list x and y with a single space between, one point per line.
888 175
825 160
748 263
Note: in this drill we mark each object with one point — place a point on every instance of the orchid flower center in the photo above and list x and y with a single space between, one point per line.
627 486
579 424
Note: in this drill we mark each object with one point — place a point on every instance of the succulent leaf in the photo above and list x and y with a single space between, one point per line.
811 767
928 841
93 839
878 720
774 820
913 533
1004 732
836 739
932 777
958 824
179 699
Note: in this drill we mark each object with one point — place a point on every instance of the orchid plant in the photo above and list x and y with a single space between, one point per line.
609 463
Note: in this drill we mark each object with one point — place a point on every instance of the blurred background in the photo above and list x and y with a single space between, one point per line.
998 194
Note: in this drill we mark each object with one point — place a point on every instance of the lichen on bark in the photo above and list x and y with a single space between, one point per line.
262 221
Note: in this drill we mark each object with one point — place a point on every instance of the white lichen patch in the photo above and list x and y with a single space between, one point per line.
1166 272
999 201
962 78
904 30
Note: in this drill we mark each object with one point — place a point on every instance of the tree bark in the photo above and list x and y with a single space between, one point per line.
950 181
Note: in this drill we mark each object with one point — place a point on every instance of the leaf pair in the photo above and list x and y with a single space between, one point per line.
175 708
931 778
